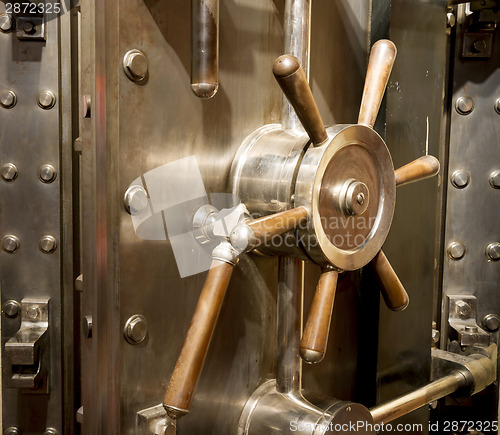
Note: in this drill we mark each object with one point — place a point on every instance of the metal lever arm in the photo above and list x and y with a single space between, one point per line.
204 47
420 169
382 58
190 362
315 338
394 294
292 80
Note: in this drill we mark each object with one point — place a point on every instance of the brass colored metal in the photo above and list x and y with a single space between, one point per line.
420 169
394 294
190 362
315 337
204 47
382 58
416 399
268 226
292 80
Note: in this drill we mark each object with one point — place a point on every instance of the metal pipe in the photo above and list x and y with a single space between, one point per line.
416 399
290 298
297 43
291 271
204 47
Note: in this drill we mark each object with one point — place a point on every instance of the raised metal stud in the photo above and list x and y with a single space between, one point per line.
9 172
456 250
136 329
8 99
495 179
7 23
10 244
46 99
136 65
11 309
47 173
460 179
493 251
47 244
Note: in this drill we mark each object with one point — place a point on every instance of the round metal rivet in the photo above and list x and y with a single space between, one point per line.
47 173
135 65
12 431
8 99
10 244
493 251
46 99
495 179
460 179
456 250
47 244
135 200
7 23
497 105
50 431
11 309
9 172
464 105
491 322
33 312
29 27
136 329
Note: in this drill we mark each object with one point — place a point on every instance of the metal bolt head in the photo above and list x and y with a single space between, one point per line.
460 179
491 322
469 328
493 251
497 105
12 431
50 431
9 172
135 65
464 310
47 244
464 105
11 309
33 312
456 250
8 99
435 336
87 326
10 244
7 23
46 99
136 329
135 200
29 28
47 173
478 46
495 179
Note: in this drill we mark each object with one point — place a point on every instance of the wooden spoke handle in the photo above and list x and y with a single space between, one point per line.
204 47
420 169
190 362
278 223
292 80
394 294
315 337
380 65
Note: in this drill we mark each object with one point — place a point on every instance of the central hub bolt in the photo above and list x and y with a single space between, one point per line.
354 197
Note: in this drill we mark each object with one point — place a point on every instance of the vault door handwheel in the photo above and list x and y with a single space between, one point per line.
354 198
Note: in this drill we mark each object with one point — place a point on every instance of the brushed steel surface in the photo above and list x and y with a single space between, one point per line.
29 138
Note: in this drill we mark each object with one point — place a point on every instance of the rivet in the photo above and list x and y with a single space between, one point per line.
29 28
491 322
46 99
469 328
7 23
10 244
47 244
50 431
33 312
87 326
495 179
8 99
135 199
464 105
463 309
11 309
136 65
86 106
136 329
497 105
12 431
47 173
493 251
456 250
9 172
460 179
